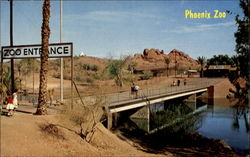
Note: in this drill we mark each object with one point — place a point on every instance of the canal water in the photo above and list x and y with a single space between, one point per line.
218 121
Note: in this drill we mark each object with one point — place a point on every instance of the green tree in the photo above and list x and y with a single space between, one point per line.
235 60
202 61
7 82
220 60
242 40
45 32
115 69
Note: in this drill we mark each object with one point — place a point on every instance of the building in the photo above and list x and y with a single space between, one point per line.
219 70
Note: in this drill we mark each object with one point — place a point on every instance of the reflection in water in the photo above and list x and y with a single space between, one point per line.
171 114
175 115
221 121
239 112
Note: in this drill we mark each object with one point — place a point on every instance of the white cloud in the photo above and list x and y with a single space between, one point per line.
109 16
199 28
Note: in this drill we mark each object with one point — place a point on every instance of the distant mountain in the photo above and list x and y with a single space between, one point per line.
155 58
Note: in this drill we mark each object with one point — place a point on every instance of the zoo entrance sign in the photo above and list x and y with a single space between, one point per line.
56 50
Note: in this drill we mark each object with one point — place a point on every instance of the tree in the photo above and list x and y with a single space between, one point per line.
131 65
42 98
242 40
235 60
7 82
115 68
202 62
220 60
241 80
167 61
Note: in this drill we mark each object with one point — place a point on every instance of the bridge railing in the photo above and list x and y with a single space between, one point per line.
115 98
150 92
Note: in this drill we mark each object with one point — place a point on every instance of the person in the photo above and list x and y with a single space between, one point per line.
134 90
12 103
10 107
178 82
174 83
15 102
185 82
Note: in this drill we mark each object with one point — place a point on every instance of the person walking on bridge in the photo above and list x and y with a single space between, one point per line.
134 90
185 82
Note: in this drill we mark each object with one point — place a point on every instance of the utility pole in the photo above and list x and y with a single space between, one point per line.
61 79
11 44
175 64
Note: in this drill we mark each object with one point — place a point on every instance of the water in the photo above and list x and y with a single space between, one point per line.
231 124
218 121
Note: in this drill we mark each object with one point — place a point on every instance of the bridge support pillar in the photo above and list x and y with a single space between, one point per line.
210 95
115 119
109 117
192 101
109 120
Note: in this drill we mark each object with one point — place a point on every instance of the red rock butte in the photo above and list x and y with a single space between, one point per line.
155 58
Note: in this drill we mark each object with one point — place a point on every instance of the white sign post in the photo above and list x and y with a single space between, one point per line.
56 50
33 51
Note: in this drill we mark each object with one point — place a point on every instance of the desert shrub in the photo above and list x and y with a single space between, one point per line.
56 75
89 80
52 130
93 68
96 76
89 67
146 75
78 78
67 76
84 115
128 77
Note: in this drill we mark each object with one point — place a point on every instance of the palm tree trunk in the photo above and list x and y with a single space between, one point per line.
42 99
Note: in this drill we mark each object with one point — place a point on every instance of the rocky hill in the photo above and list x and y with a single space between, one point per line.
154 58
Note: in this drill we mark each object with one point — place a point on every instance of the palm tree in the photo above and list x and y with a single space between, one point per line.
42 98
202 61
167 61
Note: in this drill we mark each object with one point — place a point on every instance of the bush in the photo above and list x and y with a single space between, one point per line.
78 78
89 67
89 80
85 116
147 75
128 77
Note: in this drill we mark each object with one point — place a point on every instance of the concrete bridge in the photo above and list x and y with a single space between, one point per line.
123 103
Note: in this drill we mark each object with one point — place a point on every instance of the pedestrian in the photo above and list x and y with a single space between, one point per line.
185 82
134 90
174 83
10 107
15 102
178 82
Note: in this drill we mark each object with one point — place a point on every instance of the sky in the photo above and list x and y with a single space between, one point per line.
118 28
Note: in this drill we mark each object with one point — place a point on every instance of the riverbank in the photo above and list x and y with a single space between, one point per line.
28 135
179 144
221 89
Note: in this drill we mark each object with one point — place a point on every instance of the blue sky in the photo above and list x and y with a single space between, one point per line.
104 28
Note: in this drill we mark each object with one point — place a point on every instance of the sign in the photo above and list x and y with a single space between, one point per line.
56 50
